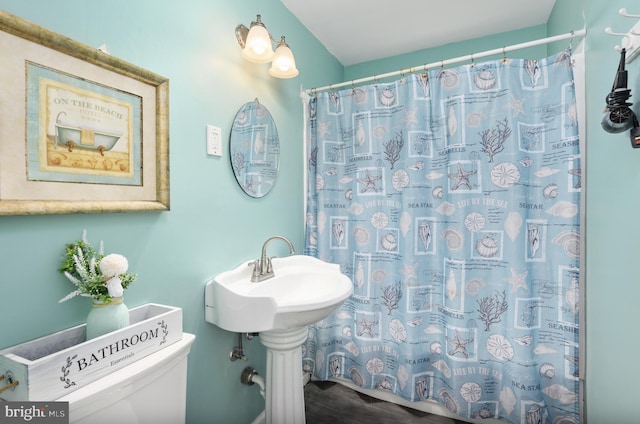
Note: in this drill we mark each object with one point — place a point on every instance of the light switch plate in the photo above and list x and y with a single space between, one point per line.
214 141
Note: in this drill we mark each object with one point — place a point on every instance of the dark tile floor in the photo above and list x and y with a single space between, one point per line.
333 403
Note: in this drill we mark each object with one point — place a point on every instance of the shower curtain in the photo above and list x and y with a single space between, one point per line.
451 199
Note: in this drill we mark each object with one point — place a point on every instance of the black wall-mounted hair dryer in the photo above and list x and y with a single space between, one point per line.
619 117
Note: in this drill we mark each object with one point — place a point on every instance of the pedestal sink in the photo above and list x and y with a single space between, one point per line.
303 290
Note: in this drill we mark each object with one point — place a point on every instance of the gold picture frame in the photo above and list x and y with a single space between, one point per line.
81 131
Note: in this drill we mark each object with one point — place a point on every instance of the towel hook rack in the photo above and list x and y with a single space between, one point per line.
626 14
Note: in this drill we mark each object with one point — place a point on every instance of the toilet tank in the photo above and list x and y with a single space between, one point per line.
151 390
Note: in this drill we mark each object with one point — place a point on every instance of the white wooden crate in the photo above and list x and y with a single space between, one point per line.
55 365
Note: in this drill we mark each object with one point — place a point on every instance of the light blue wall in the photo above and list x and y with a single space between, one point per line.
212 225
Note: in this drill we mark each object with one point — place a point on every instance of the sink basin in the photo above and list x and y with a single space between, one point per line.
303 290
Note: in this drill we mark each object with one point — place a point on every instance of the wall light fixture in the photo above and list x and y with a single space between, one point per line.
256 47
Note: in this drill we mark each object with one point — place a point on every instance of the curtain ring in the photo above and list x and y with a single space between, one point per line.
504 55
472 64
571 41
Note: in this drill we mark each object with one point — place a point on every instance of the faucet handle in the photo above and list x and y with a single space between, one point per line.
256 269
270 265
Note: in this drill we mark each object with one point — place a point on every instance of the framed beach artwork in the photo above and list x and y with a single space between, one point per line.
81 131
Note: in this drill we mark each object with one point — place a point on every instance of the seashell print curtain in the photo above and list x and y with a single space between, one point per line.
451 199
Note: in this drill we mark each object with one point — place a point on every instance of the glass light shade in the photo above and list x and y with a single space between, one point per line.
258 45
283 65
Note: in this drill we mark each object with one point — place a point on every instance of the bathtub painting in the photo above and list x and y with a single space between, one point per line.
72 137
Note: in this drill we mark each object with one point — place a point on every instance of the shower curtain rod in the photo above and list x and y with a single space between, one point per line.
469 57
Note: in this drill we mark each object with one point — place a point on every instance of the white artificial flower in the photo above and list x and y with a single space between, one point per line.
114 286
113 265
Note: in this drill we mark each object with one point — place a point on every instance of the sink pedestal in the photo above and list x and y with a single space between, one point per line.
284 388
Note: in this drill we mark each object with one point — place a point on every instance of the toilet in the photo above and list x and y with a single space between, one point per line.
150 390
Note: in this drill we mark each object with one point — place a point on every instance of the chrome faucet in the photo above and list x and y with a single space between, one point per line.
262 268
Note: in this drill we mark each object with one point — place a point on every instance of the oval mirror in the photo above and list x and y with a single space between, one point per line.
254 149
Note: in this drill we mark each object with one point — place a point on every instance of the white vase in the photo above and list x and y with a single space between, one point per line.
107 317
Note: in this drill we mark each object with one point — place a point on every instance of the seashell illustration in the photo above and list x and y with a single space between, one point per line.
550 191
423 82
397 330
379 220
360 134
547 370
449 401
436 348
346 331
313 238
384 385
572 296
434 175
448 78
564 420
416 322
451 285
475 118
526 162
322 219
337 228
561 393
242 118
361 235
563 209
471 391
452 121
570 242
453 238
405 223
356 376
524 340
533 70
545 172
359 95
442 366
343 315
512 225
533 239
424 232
403 376
422 388
389 242
543 349
319 182
505 175
400 180
335 100
437 192
331 171
380 131
484 79
507 399
433 329
352 348
386 97
345 179
348 195
356 208
417 166
534 415
473 286
359 275
474 222
374 366
446 208
499 347
487 247
378 275
257 144
319 359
